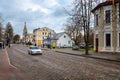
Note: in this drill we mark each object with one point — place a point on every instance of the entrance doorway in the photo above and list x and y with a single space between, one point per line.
96 45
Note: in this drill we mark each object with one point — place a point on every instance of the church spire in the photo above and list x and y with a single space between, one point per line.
25 31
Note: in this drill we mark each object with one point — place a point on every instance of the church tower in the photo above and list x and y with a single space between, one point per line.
25 32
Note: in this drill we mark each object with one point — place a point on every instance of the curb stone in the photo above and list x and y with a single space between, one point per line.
88 56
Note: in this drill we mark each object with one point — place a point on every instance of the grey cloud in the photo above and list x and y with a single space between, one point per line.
11 11
59 12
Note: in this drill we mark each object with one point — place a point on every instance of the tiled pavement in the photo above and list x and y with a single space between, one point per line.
8 71
104 56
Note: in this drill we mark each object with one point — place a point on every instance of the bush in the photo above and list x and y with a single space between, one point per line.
29 43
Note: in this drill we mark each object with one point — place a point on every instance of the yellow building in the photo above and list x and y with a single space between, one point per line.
29 37
107 26
40 34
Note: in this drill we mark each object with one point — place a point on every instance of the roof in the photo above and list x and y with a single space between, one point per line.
43 28
36 29
106 3
47 28
56 36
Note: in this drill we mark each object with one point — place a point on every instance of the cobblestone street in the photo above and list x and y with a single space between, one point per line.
56 66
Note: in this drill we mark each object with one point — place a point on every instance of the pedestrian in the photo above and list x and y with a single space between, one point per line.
9 45
3 45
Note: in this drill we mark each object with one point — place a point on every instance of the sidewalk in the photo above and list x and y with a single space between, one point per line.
110 57
8 71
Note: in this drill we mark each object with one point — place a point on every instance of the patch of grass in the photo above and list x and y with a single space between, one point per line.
91 49
83 50
62 47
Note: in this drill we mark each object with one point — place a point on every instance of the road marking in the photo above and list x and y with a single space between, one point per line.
9 59
20 50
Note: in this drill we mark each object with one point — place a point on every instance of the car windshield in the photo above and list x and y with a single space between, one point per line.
35 47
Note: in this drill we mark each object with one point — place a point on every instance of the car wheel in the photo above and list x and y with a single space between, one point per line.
29 53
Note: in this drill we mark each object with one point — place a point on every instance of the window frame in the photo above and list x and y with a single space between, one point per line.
96 19
108 16
64 36
108 39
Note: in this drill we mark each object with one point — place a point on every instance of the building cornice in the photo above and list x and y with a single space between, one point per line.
106 3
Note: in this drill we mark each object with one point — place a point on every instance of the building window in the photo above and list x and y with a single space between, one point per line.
108 40
43 38
64 36
43 33
69 42
107 16
97 20
50 33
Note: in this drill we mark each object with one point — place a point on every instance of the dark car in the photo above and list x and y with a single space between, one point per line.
75 47
90 45
82 45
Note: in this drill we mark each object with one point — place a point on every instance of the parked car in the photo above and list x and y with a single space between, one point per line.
82 45
90 45
34 50
75 47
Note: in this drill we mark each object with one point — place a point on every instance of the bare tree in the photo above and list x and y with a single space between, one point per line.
81 19
83 10
0 31
9 33
91 35
74 30
16 38
86 7
1 26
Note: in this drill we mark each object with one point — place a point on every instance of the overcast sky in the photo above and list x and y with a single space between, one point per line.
36 13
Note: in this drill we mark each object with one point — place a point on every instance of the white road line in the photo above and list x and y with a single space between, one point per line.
20 50
9 59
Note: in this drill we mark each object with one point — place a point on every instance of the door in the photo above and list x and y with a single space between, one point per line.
53 44
96 45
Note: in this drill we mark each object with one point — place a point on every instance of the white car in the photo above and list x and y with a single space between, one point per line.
34 50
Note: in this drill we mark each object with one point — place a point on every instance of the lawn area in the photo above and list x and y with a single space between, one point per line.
83 50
